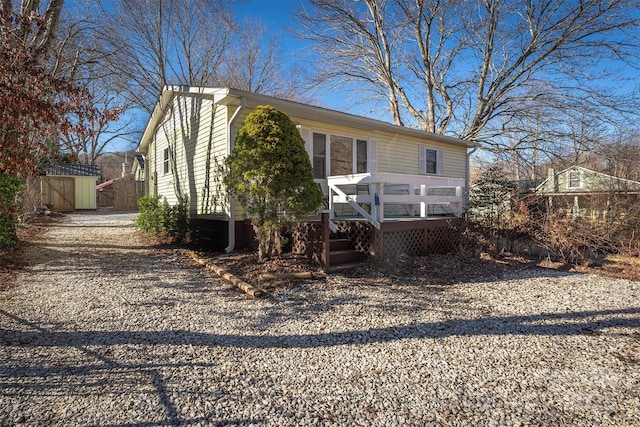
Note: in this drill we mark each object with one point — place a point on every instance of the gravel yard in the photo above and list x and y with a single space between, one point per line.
102 330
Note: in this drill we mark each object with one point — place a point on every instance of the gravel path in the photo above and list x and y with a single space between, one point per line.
103 331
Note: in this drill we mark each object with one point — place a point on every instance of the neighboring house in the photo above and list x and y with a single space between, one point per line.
582 192
137 170
68 187
370 171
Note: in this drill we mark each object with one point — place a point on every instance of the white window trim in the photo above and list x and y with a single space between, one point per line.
307 136
580 180
422 160
166 161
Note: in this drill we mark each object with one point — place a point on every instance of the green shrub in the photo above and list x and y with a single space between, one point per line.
270 174
11 189
161 219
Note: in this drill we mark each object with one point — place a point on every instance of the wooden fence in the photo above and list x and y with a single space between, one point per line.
58 193
126 194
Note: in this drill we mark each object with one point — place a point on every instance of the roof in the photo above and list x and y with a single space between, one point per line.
140 159
71 169
604 184
107 185
235 97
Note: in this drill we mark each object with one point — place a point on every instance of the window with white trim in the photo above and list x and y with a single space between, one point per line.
361 156
319 155
575 180
339 155
166 161
431 161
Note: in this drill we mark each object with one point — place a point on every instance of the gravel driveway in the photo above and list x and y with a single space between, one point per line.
104 331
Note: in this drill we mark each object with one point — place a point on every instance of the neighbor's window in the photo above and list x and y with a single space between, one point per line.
166 161
574 179
319 156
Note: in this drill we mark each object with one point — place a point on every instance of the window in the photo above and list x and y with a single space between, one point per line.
341 156
431 161
338 155
431 157
361 156
319 156
166 161
574 179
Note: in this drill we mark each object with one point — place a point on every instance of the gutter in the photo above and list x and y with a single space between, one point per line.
232 223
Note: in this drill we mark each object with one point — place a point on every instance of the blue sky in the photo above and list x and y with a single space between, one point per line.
277 15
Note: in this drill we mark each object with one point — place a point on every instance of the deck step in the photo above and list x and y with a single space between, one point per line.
339 244
344 256
338 268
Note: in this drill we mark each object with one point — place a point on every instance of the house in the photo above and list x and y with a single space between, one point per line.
137 170
371 172
585 193
67 187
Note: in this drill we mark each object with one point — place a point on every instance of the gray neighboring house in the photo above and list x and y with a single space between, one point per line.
582 192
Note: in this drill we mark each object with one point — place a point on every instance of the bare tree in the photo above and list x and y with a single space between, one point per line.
474 69
111 124
182 42
160 42
255 63
38 105
38 36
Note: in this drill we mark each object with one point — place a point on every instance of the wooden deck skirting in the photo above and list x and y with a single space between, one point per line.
394 238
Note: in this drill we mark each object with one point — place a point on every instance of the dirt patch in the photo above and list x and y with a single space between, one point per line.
616 266
245 266
432 269
12 259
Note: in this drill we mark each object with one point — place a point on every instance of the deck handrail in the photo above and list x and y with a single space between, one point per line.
417 187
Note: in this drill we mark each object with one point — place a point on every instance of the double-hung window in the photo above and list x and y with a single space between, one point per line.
361 156
166 161
319 156
574 180
431 161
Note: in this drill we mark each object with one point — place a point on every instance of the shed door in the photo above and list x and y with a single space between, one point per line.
59 192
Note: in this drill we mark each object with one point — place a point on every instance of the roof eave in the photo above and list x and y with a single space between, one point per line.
229 96
338 117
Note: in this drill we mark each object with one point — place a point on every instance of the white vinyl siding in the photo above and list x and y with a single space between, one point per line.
575 179
193 142
166 161
196 141
400 155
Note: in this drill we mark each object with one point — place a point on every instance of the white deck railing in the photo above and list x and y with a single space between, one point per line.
369 193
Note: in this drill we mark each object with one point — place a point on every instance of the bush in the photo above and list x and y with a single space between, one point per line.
270 174
161 219
11 189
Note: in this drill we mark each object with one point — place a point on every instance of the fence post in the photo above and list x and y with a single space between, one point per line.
325 234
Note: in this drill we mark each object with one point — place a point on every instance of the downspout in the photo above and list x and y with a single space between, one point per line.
232 223
467 200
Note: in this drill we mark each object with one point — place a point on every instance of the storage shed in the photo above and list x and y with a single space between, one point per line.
68 187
